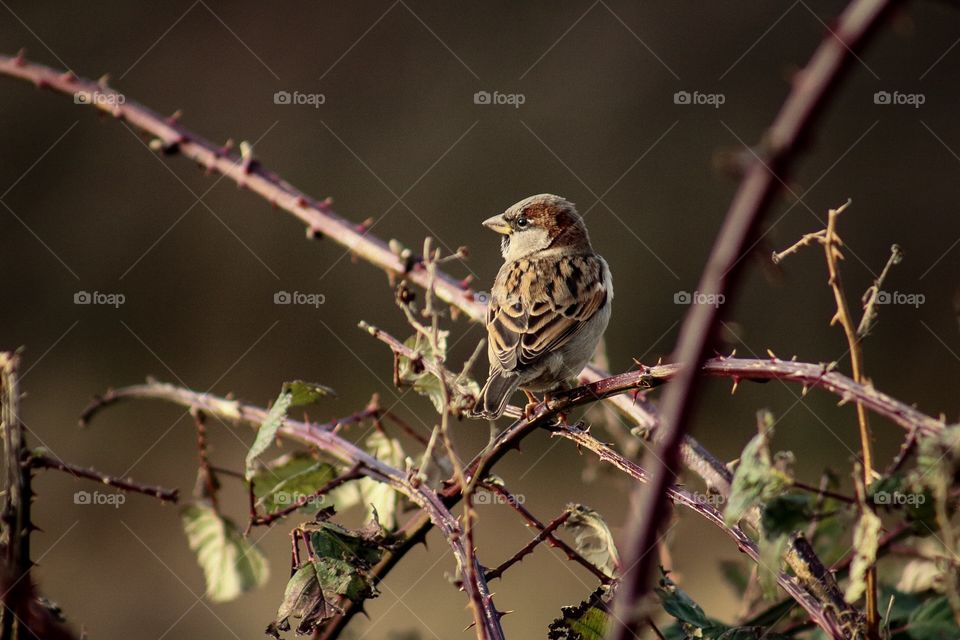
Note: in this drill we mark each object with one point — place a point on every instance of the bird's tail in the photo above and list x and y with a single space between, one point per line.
494 395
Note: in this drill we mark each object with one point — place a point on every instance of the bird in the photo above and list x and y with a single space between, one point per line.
549 305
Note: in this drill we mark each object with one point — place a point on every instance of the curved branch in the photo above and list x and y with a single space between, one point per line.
807 98
486 617
317 215
822 615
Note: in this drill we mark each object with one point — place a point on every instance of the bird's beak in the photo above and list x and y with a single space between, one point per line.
498 223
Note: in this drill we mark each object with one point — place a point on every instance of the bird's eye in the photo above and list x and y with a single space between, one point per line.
522 222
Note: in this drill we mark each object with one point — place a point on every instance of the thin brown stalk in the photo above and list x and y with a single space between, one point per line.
762 179
832 248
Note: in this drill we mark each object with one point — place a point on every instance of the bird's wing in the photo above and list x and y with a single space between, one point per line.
552 309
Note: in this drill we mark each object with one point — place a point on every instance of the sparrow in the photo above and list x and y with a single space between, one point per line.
549 305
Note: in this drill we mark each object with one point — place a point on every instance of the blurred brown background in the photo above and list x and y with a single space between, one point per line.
89 208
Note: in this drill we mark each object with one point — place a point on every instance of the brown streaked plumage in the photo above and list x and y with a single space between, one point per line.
550 303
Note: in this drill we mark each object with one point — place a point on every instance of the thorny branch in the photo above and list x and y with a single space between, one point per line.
763 176
486 617
124 484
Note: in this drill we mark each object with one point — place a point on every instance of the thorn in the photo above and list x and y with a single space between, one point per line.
246 155
772 355
364 226
104 81
20 58
68 76
326 203
804 391
736 383
174 117
465 283
732 353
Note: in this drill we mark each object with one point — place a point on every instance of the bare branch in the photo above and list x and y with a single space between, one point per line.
486 617
763 176
124 484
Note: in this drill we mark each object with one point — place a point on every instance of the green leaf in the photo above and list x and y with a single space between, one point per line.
933 620
866 538
379 497
289 478
757 478
268 430
771 559
786 513
463 391
230 564
588 620
339 569
303 393
593 539
681 606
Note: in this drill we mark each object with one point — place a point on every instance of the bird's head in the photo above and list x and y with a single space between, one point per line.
537 224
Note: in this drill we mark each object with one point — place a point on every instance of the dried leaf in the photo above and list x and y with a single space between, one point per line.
593 539
866 538
231 565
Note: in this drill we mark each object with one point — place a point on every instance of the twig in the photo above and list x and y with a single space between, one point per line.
831 247
554 541
207 477
352 473
824 616
528 548
160 493
319 218
808 96
807 238
486 617
17 587
871 295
